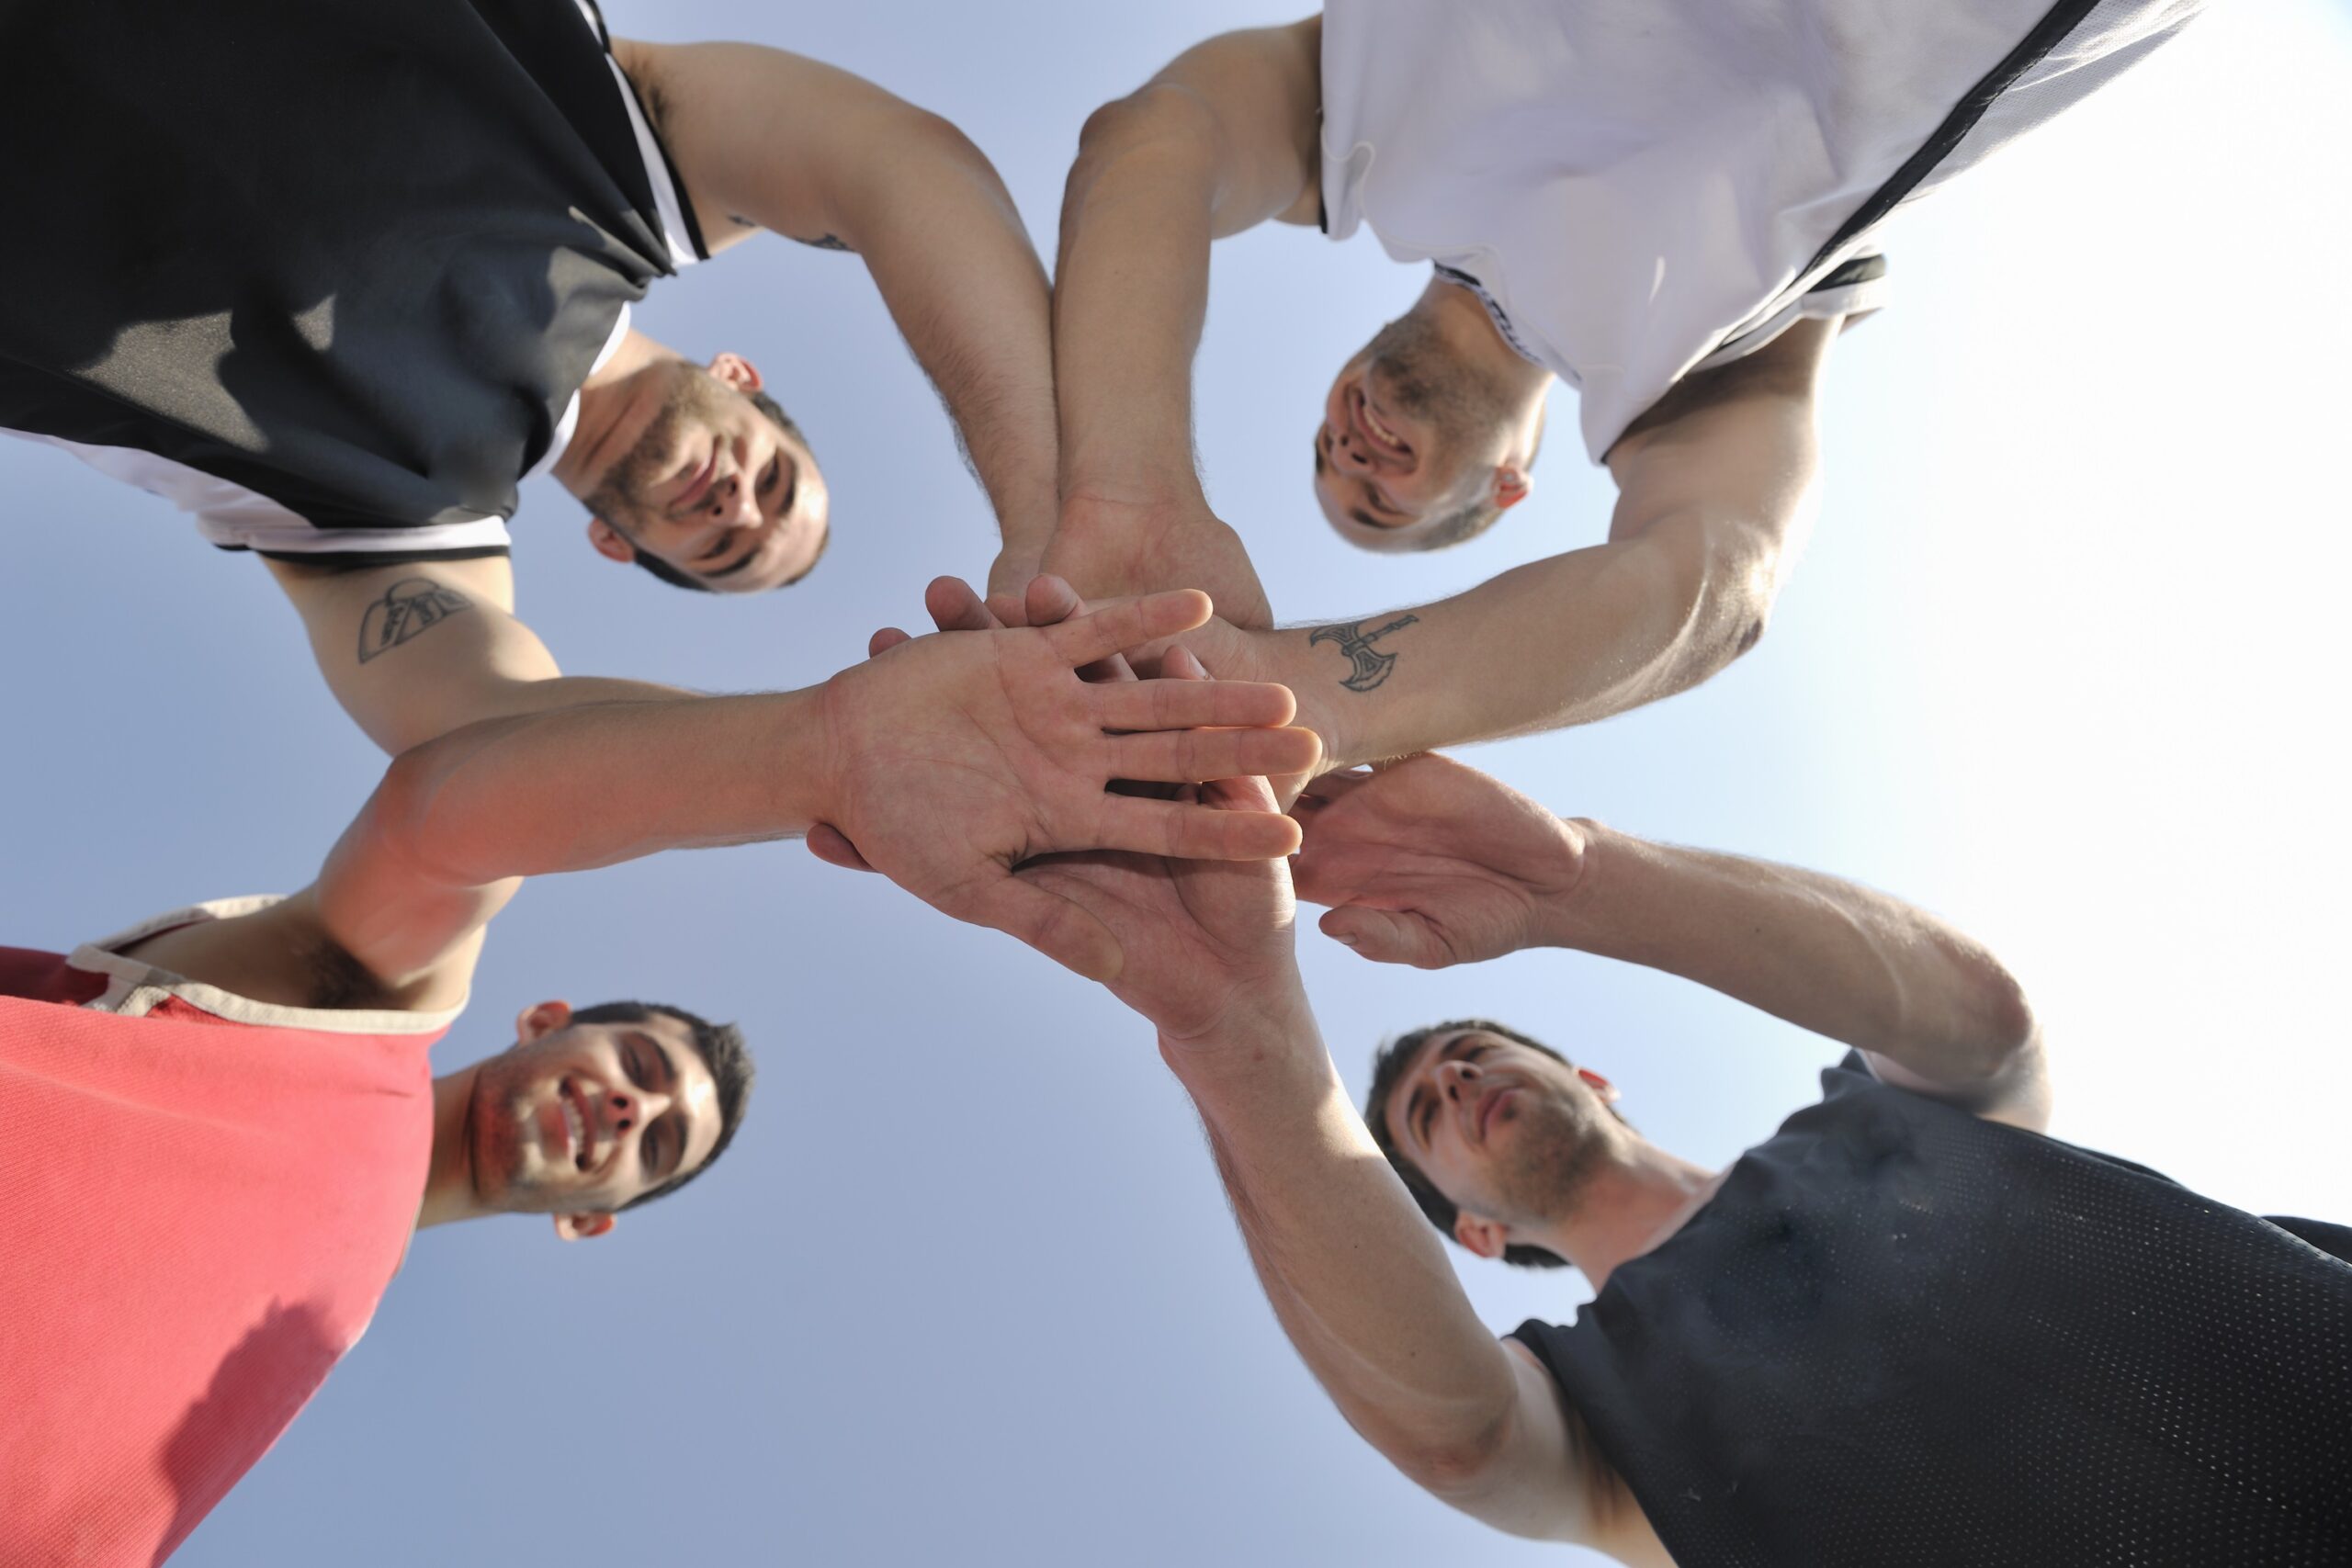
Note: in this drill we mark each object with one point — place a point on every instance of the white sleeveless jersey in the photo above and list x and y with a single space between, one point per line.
1639 188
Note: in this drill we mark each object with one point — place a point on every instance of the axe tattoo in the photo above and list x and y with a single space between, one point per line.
1371 669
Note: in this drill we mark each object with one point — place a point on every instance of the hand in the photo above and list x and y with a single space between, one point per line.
956 756
1107 550
1200 937
1432 864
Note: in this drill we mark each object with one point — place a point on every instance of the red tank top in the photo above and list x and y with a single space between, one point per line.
201 1198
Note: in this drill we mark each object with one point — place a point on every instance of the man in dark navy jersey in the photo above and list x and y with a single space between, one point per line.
336 277
1908 1328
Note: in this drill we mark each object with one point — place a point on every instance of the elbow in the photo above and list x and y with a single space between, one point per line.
1720 577
1456 1469
2007 1031
1157 113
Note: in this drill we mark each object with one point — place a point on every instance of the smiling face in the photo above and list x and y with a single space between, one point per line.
579 1120
712 486
1507 1133
1411 432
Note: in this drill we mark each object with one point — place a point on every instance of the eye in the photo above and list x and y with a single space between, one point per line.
775 472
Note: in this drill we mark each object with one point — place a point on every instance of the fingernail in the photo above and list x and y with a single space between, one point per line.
1346 937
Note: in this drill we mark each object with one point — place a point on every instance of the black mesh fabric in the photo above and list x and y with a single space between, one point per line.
1903 1335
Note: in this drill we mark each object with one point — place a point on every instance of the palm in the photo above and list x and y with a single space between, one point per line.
1111 552
1195 933
1430 863
961 754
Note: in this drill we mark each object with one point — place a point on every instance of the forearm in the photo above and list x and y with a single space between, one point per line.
952 263
1562 641
1828 955
1355 1274
1131 293
569 789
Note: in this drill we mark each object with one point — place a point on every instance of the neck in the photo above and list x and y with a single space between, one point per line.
616 402
1462 319
1639 1196
449 1175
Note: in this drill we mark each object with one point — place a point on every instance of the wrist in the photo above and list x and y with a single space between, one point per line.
1569 883
1266 1024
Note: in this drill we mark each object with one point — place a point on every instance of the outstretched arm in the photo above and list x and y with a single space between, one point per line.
1432 864
414 651
946 761
1220 141
1714 489
769 140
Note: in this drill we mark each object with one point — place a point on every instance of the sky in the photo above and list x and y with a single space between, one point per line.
2058 664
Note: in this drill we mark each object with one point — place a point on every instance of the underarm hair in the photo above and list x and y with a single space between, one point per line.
339 981
1762 371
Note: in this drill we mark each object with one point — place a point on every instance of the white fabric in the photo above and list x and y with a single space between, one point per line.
683 253
1635 184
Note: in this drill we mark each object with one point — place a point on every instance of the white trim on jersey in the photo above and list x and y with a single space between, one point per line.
683 253
233 517
136 989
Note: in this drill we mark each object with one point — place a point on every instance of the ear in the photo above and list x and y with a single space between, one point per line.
540 1019
1511 485
1483 1236
610 542
737 372
1599 1085
579 1227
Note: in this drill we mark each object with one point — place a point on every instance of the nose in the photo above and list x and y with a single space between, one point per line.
1348 454
1457 1078
624 1108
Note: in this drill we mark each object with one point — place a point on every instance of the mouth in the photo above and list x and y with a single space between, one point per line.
576 1123
1371 429
699 485
1491 1109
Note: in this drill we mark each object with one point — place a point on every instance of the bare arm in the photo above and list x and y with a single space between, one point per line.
1361 1286
1714 488
414 651
770 139
1433 864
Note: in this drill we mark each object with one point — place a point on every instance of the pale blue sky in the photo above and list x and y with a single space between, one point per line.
2058 664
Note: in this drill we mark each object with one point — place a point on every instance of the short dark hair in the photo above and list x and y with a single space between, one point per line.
721 1048
1466 523
1389 1064
673 575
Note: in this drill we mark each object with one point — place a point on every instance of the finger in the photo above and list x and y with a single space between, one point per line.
955 608
829 844
1193 832
1187 702
1050 601
1128 623
1386 936
1196 756
1008 609
1181 663
1069 935
883 641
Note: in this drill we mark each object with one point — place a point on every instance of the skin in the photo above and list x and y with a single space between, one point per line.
1715 483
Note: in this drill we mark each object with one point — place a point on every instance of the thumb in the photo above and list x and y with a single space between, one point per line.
1063 931
829 844
1386 936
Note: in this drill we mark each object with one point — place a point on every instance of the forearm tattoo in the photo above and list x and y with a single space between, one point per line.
409 608
824 242
1367 668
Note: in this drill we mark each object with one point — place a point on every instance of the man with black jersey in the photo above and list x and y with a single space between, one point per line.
1909 1327
336 278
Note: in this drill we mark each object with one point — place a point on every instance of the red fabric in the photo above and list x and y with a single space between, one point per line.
47 977
196 1219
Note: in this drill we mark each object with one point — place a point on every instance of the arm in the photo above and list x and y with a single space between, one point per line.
1433 864
412 652
1220 141
1715 486
770 139
945 762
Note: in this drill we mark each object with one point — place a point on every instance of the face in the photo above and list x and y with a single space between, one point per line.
1409 432
712 485
577 1119
1509 1134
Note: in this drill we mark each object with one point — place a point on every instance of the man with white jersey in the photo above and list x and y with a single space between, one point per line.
1670 208
336 278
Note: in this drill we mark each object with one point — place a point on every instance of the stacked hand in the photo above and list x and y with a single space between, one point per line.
956 757
1107 550
1432 864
